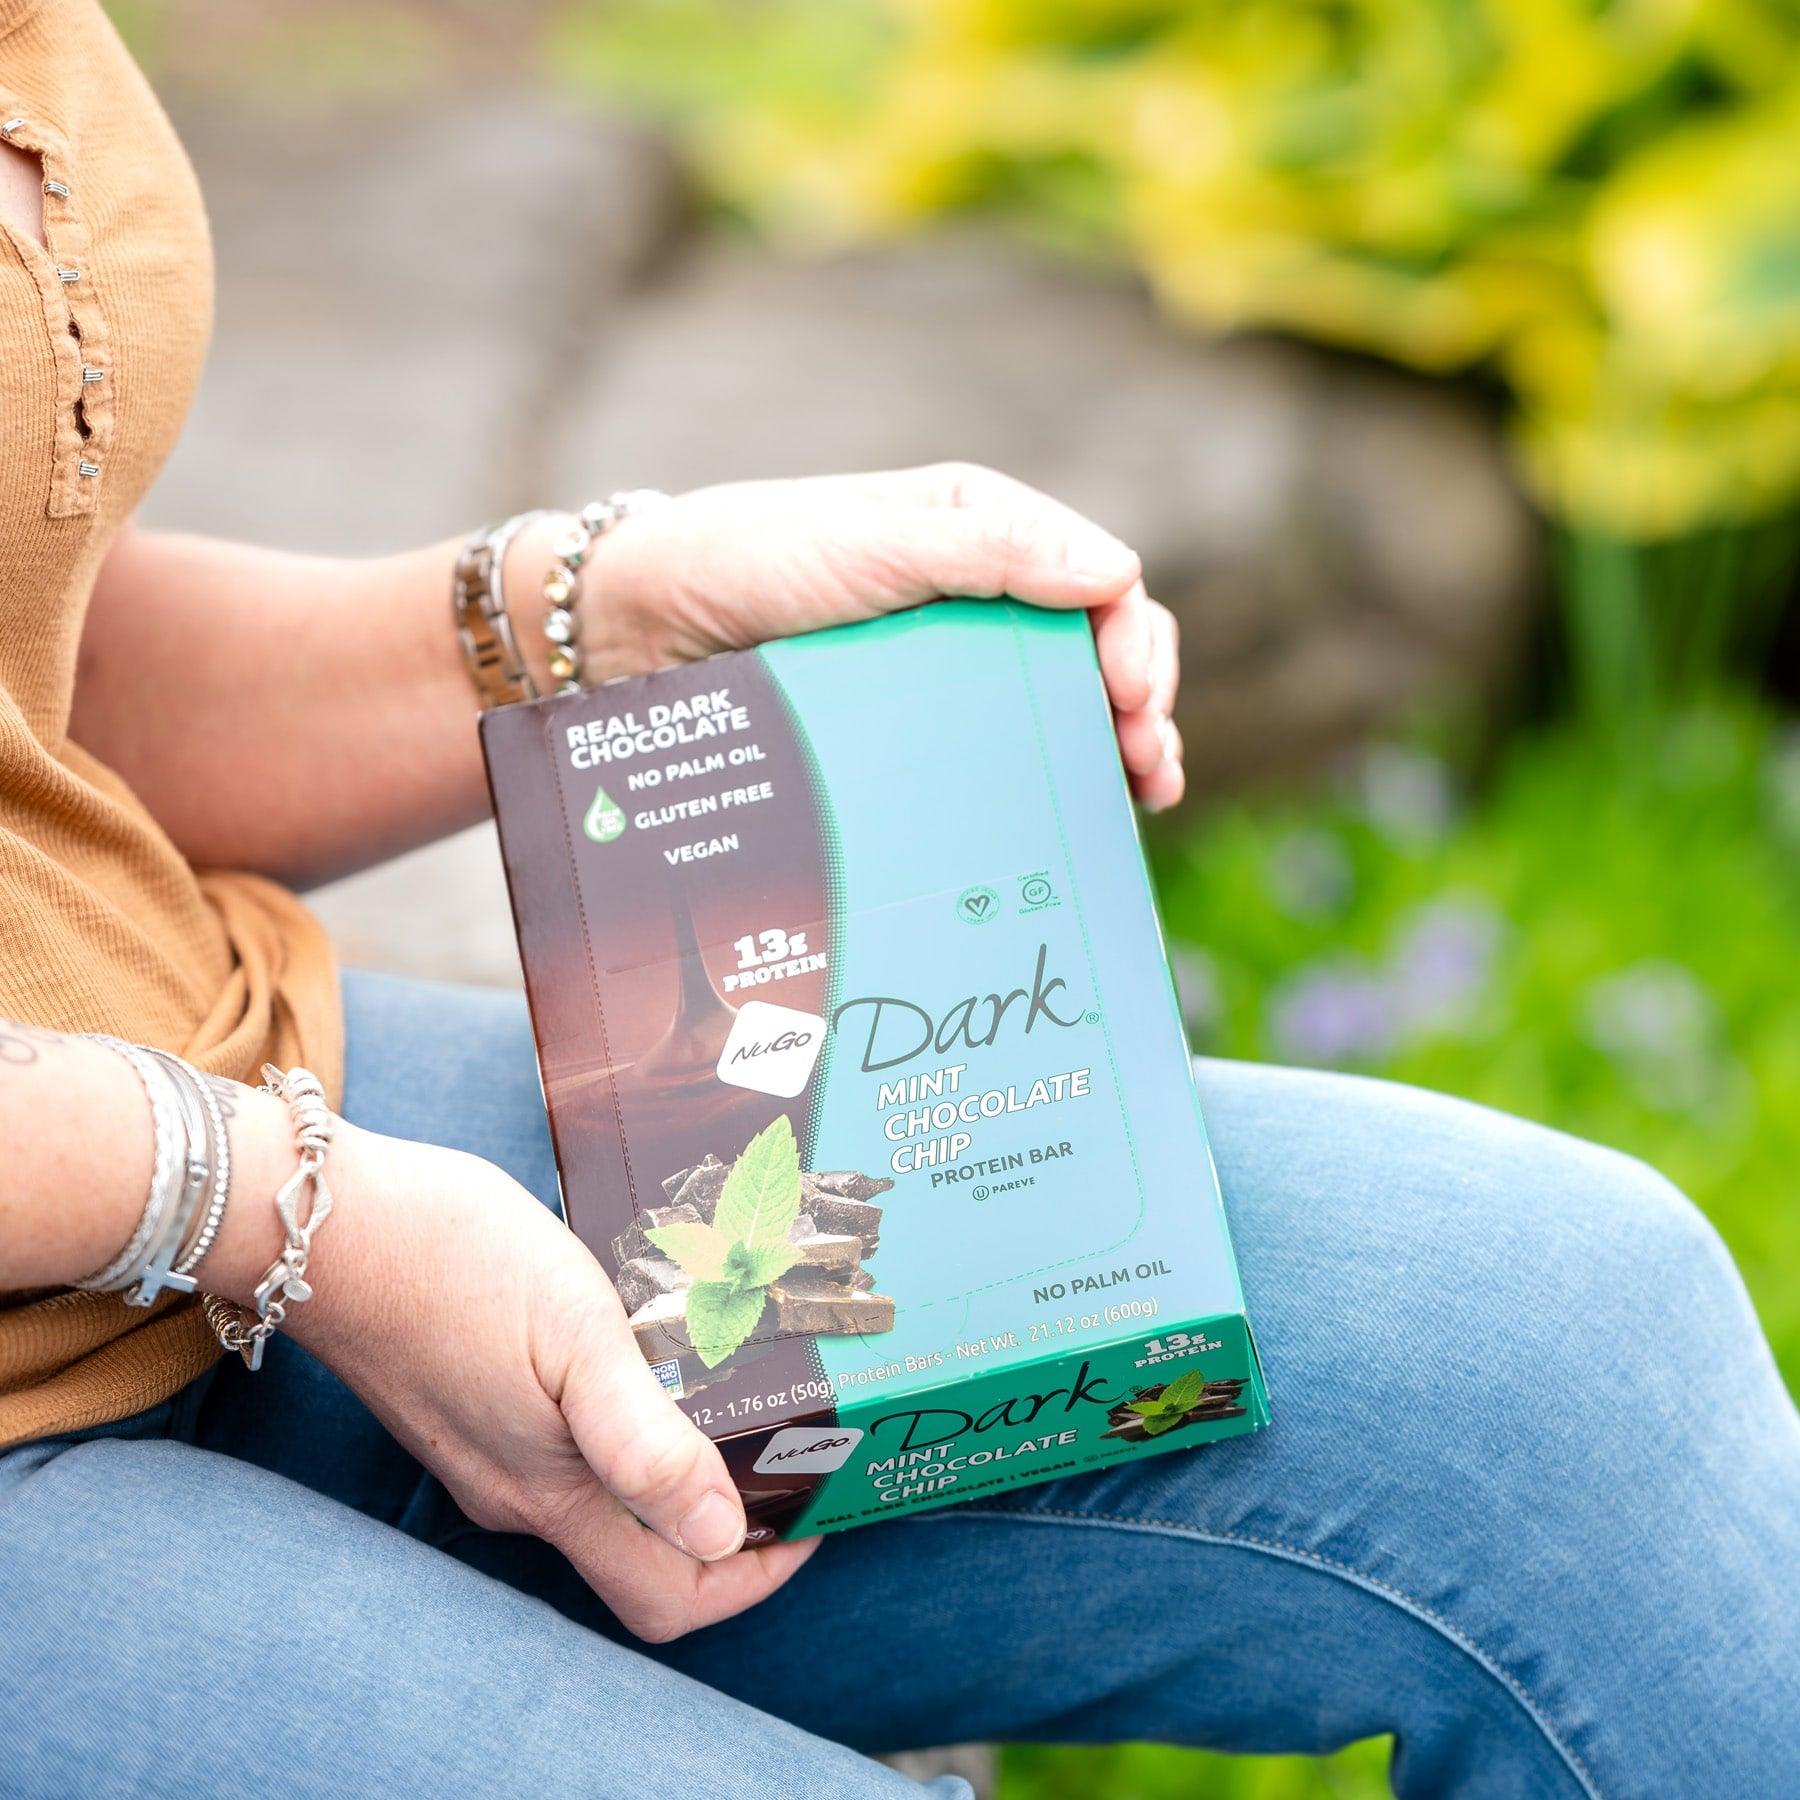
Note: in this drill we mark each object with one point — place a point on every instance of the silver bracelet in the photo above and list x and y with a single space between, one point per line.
562 585
165 1169
157 1272
478 604
284 1282
220 1142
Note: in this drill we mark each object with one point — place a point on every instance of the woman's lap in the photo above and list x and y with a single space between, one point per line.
1527 1502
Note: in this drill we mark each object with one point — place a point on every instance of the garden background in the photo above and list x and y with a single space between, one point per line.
1443 359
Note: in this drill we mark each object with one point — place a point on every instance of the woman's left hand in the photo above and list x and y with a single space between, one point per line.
726 567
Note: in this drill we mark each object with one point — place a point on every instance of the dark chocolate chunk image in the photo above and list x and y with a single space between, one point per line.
852 1218
672 1183
660 1327
827 1310
704 1184
1218 1400
631 1243
801 1279
643 1278
837 1255
809 1305
850 1184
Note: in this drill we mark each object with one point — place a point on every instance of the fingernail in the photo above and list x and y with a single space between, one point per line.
1169 738
1100 555
713 1528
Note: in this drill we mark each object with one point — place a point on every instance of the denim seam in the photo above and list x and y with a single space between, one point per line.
1328 1565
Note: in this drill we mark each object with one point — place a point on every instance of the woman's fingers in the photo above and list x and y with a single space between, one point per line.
644 1449
655 1591
1149 743
1165 784
1039 553
1125 637
1165 658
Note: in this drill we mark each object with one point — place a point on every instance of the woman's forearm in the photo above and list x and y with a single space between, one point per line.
76 1128
299 716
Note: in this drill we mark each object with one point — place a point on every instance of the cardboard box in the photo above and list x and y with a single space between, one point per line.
863 1061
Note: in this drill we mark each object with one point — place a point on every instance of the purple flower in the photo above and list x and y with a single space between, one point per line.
1332 1013
1407 796
1310 875
1659 1024
1443 962
1650 1012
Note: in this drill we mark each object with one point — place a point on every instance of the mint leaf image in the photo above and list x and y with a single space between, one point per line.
699 1249
1149 1408
1160 1423
756 1265
762 1193
1183 1393
720 1316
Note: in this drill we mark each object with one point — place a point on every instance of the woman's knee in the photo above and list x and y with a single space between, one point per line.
1454 1264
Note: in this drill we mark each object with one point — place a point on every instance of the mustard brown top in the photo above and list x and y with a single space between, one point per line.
103 925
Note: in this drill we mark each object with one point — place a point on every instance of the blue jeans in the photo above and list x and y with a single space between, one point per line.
1531 1503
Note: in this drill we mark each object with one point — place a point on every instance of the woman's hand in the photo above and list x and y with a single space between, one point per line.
728 567
487 1339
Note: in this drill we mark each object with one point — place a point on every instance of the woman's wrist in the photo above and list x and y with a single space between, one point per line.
609 626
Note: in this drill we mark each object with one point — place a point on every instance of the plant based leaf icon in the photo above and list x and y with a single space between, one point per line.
605 818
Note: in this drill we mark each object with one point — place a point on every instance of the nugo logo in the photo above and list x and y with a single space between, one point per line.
771 1049
808 1450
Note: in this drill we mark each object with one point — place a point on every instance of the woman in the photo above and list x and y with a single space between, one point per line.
1529 1503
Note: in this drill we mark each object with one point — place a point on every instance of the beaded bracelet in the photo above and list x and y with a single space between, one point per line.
562 584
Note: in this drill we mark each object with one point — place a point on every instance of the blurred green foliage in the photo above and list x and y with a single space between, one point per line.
1606 942
1151 1772
1599 204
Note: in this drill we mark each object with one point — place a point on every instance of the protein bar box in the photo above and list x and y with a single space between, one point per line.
863 1061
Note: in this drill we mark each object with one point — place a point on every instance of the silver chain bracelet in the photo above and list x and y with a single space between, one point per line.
284 1282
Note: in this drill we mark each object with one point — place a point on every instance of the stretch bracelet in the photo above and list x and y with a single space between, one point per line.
219 1144
284 1282
562 584
190 1180
165 1168
190 1199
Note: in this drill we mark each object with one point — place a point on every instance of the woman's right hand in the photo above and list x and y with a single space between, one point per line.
486 1337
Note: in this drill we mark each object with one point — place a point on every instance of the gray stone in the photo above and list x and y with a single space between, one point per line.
399 294
1342 542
